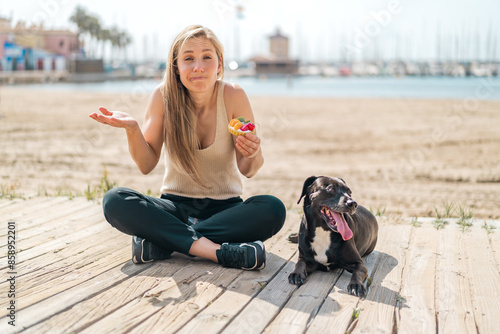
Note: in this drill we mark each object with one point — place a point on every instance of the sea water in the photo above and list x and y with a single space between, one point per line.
312 86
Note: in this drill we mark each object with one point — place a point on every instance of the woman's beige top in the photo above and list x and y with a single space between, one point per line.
218 168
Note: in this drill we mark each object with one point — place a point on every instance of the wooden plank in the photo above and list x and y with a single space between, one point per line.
38 218
238 294
337 310
57 278
32 208
485 280
28 209
304 303
453 294
247 283
73 253
54 207
167 289
10 205
97 296
312 299
190 288
4 203
266 305
172 317
60 302
54 228
108 300
377 310
52 221
73 257
57 245
60 229
61 283
494 239
417 312
216 315
38 288
18 205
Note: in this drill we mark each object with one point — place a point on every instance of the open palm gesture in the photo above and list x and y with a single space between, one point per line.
118 119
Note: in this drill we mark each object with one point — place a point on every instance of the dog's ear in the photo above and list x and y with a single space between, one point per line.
307 184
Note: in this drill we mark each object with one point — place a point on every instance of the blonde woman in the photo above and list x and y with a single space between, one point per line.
200 211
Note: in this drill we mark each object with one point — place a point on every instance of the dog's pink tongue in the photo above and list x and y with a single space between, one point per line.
342 226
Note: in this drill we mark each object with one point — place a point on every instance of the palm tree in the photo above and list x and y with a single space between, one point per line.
104 36
125 40
114 39
94 29
80 18
119 39
90 26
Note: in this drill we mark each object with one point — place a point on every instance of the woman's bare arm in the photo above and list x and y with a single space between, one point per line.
144 146
248 149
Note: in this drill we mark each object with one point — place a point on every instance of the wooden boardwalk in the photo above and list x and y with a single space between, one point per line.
73 274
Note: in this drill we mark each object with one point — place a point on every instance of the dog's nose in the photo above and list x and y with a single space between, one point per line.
351 204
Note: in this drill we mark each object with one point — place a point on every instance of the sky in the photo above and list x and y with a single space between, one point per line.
319 30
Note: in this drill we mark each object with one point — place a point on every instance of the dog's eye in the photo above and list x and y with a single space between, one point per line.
330 189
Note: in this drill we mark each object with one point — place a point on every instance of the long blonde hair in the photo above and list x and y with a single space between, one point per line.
181 140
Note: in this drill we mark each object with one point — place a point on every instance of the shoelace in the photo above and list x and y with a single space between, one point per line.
234 256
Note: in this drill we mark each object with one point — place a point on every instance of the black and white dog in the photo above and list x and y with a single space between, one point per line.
335 232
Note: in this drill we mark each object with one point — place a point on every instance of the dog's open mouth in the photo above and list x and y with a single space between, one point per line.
337 223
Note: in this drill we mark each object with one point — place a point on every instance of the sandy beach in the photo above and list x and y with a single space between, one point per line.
401 157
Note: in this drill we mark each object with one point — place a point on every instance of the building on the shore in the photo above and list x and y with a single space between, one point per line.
34 48
277 62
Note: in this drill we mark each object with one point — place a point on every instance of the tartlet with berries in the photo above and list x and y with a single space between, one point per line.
239 126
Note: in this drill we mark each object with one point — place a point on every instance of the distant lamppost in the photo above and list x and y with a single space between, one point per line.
234 64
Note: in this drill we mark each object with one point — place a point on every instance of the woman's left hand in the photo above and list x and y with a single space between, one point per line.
248 145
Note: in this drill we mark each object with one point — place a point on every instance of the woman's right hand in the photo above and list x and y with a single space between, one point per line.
118 119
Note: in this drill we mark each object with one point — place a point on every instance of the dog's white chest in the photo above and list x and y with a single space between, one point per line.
320 245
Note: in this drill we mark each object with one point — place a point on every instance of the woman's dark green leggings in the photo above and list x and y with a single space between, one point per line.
175 222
